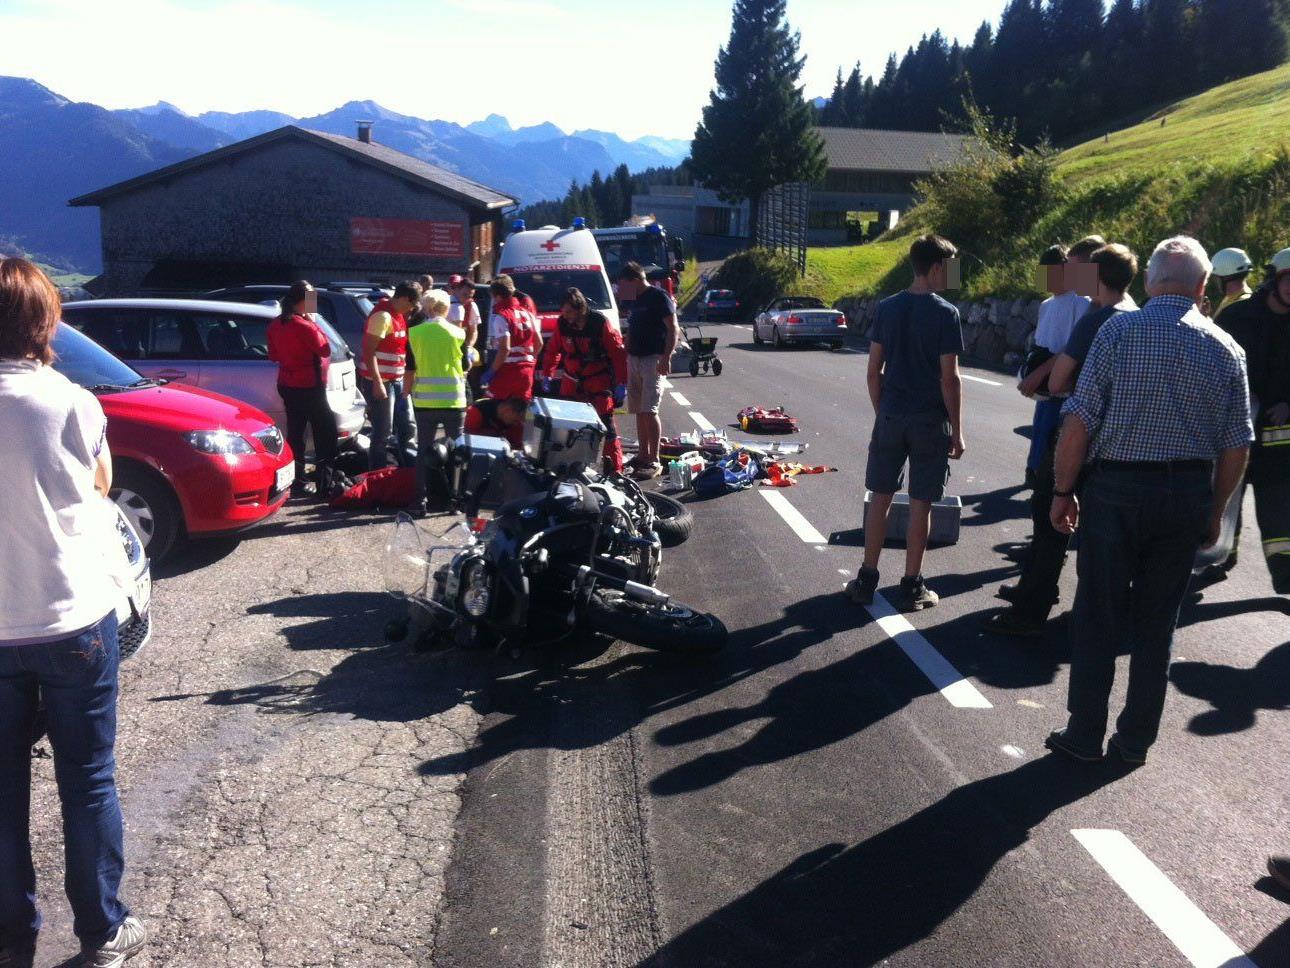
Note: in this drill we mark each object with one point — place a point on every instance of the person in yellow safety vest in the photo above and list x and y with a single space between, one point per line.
1231 268
435 380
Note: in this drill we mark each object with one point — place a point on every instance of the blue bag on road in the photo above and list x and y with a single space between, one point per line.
726 475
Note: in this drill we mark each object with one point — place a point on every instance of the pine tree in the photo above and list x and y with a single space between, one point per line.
852 101
832 111
756 131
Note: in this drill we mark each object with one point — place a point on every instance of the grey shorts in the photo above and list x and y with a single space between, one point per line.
922 439
644 384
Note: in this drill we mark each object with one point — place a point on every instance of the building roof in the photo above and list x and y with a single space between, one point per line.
869 149
469 193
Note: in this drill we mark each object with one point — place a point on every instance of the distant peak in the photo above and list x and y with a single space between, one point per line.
25 91
162 107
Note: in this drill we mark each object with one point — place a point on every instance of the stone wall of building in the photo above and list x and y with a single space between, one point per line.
289 203
997 332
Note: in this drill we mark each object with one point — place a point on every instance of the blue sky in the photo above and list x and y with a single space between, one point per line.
643 68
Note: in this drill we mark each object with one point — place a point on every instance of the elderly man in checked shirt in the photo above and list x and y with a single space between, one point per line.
1159 429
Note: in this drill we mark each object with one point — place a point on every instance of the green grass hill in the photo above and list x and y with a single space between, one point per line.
1217 168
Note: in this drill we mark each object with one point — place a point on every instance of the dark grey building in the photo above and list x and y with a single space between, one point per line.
873 171
294 203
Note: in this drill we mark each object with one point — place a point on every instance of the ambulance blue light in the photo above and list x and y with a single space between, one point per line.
518 225
654 228
579 222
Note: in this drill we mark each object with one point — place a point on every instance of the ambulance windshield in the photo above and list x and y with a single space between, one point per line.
547 288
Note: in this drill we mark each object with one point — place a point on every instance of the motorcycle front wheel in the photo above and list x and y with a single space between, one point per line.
670 627
673 521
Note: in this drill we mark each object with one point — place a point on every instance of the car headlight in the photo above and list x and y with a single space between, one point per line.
476 595
220 442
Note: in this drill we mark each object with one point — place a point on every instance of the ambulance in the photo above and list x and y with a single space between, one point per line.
546 262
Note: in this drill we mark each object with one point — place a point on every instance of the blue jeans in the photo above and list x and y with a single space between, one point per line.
1047 418
396 410
1139 533
77 679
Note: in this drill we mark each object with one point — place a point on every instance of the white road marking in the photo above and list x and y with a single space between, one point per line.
947 679
792 517
680 400
1016 752
665 383
977 379
1183 923
704 423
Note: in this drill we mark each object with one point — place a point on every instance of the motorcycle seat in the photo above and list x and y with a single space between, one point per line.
569 501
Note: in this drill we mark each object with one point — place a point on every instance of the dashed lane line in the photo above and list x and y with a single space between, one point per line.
947 679
665 383
680 400
793 517
1183 923
979 379
704 423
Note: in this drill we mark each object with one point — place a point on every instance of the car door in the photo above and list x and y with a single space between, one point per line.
237 360
168 347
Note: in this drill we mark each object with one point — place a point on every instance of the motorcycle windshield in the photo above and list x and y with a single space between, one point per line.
411 556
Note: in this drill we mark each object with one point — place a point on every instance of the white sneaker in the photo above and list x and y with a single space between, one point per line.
129 940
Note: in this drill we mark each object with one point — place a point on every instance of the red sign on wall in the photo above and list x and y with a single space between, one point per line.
400 236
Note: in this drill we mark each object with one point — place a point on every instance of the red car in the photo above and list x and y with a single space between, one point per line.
185 462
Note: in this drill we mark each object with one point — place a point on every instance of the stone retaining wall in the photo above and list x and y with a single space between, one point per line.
995 331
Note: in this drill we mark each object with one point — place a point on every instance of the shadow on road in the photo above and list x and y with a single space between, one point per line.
995 507
1237 695
859 905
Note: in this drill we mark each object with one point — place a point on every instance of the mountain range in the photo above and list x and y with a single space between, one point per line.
55 149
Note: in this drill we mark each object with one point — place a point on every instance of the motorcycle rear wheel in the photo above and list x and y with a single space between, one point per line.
673 521
672 627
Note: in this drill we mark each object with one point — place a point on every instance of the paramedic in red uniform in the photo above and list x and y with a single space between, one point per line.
381 365
516 340
590 347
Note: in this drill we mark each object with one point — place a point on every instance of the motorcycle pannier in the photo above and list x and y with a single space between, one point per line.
559 434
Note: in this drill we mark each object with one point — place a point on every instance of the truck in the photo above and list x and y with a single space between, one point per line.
643 240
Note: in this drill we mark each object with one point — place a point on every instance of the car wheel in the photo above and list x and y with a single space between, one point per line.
777 339
757 340
150 506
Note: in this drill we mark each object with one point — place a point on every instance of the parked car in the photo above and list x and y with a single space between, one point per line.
345 305
134 609
218 346
718 304
185 462
800 319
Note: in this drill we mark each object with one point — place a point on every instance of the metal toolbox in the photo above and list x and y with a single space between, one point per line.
946 515
562 434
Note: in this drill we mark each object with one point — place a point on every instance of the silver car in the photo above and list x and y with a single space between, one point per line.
800 319
217 346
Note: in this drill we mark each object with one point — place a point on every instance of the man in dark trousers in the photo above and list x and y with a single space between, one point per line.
917 396
1035 593
1261 324
1159 426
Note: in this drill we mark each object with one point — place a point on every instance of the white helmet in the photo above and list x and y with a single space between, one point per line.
1280 262
1232 262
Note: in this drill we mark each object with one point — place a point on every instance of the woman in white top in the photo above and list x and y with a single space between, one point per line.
58 633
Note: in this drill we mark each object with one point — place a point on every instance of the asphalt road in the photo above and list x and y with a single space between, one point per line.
269 756
814 797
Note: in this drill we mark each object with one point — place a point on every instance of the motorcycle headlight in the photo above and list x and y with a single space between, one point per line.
476 594
220 442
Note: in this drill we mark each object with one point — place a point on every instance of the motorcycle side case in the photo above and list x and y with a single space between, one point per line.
474 458
563 435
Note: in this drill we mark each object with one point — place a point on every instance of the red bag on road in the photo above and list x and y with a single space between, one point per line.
389 487
759 420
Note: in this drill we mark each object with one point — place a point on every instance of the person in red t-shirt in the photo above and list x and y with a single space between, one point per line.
494 417
303 354
515 336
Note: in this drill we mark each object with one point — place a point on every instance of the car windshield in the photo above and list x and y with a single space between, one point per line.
721 294
84 362
803 302
365 304
547 289
645 249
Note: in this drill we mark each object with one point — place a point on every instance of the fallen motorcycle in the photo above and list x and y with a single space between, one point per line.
566 551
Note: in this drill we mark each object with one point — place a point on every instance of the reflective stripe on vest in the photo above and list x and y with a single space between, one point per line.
440 380
392 350
1275 436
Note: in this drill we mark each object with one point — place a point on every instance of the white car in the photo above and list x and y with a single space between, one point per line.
800 319
134 609
217 346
